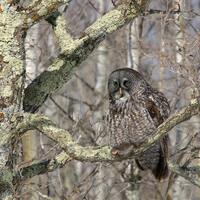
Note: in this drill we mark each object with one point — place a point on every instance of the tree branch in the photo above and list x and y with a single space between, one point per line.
186 173
73 52
163 12
95 154
41 167
39 9
189 173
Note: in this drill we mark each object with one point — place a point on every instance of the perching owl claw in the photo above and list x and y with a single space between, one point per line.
122 150
135 111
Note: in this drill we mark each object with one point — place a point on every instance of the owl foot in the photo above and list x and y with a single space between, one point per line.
115 152
122 151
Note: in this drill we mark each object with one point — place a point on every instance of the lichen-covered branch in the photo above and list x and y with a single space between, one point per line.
13 27
94 154
12 81
73 52
64 139
33 169
40 9
11 62
9 177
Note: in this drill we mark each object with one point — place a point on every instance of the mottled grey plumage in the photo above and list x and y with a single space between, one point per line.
135 110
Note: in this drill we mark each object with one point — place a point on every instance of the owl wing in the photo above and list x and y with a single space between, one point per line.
159 109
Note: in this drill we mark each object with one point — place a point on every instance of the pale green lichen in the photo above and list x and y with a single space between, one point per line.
9 44
6 91
56 65
37 10
194 101
10 50
65 40
106 24
62 157
12 65
6 178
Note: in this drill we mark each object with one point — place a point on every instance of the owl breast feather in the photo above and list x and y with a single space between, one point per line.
129 123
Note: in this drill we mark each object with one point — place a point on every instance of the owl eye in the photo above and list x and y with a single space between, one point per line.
115 84
125 83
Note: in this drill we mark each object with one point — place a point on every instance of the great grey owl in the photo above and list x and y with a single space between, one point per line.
135 111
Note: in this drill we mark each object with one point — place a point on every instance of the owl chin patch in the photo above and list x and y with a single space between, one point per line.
121 100
121 96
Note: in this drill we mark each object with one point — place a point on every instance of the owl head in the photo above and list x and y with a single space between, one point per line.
125 83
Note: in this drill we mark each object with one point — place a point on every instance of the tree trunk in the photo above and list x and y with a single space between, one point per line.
12 73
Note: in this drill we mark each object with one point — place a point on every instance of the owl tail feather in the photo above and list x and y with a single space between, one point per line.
161 171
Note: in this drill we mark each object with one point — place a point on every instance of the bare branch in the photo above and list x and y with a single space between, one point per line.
186 173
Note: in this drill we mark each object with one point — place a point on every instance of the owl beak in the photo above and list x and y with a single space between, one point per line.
121 95
120 92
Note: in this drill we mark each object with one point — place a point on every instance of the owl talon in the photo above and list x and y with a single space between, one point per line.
115 152
122 151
